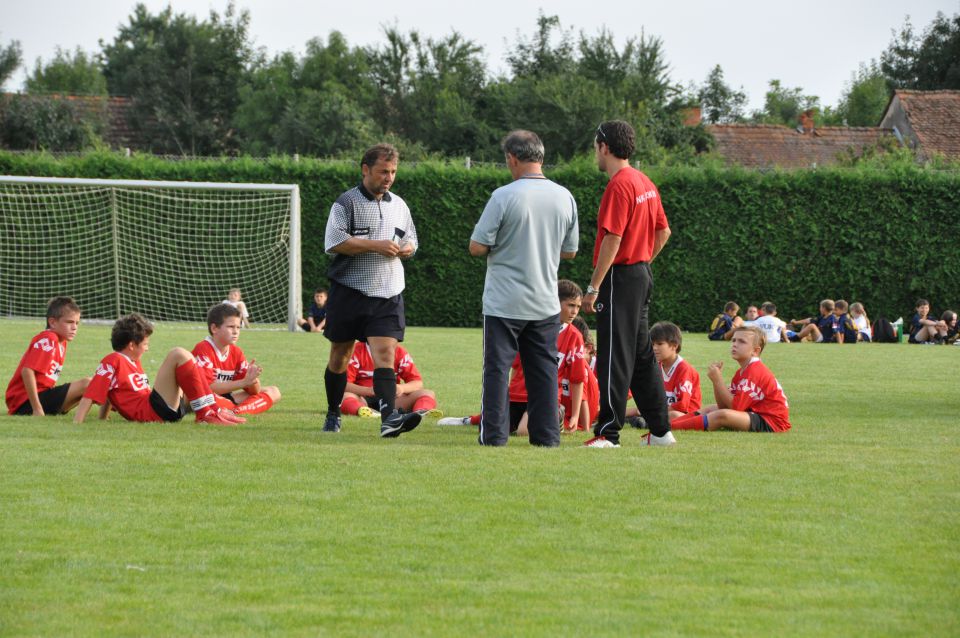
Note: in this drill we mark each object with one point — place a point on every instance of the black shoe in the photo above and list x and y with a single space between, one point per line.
332 424
638 422
398 423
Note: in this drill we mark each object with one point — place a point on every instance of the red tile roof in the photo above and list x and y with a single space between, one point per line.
934 117
764 145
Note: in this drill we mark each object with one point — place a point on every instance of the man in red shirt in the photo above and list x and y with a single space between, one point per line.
631 230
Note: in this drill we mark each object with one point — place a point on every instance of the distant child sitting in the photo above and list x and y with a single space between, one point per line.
681 381
774 328
235 381
751 314
33 388
754 401
923 329
949 318
721 328
120 382
844 330
817 329
858 315
360 397
317 315
590 407
235 299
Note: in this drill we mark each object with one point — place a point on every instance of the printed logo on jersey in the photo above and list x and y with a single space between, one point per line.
139 381
671 397
686 387
54 371
105 370
225 375
204 361
750 388
44 344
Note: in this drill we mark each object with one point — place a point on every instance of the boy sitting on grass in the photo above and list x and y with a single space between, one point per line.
31 389
754 401
721 328
121 383
235 381
817 329
359 397
681 382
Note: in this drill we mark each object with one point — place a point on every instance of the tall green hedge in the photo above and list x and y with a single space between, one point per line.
882 238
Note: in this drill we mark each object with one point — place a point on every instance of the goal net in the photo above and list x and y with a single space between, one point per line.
168 250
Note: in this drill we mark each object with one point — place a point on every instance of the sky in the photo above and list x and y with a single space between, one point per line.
815 45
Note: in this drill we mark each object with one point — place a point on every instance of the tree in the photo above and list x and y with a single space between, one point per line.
10 58
538 56
784 106
184 76
865 98
926 63
719 103
70 74
34 122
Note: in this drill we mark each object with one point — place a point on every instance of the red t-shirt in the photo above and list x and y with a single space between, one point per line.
630 208
682 386
571 366
45 356
360 368
219 366
591 392
755 389
122 381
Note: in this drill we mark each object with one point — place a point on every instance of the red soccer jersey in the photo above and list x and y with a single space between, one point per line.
360 368
122 381
571 366
45 356
682 385
630 208
219 366
755 389
591 393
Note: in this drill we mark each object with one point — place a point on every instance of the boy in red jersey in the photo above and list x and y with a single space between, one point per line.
754 401
590 407
359 397
120 382
681 382
33 388
235 381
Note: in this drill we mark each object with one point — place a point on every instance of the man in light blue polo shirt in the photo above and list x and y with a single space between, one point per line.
525 229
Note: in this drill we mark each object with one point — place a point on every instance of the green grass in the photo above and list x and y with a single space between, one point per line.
847 525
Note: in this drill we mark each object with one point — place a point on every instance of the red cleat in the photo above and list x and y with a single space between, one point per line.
220 416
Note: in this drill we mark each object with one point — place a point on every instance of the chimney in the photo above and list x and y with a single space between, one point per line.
806 121
691 116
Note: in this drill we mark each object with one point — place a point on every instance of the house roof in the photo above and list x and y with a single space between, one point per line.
765 145
934 117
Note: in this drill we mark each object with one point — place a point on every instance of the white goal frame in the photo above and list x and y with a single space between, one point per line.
294 298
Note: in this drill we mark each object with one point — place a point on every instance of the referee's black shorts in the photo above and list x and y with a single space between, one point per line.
353 316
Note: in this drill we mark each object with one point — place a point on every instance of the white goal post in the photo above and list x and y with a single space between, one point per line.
169 250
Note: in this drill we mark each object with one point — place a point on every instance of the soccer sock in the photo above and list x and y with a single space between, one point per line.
336 385
475 419
350 405
692 421
385 388
424 403
224 403
260 402
195 386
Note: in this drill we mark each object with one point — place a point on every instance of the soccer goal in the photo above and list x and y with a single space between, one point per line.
168 250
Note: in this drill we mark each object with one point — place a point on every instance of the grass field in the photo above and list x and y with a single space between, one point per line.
847 525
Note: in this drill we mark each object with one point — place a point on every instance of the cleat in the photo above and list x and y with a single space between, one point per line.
600 441
366 412
638 422
665 440
398 423
332 424
454 420
433 413
219 417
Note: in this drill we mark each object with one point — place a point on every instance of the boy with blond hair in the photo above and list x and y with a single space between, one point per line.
817 329
33 388
753 402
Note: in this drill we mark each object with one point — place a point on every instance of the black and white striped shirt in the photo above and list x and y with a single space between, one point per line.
357 213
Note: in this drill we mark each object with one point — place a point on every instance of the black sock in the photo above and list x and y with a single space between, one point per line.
385 389
336 385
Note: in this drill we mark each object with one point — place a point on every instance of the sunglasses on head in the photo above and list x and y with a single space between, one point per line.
601 133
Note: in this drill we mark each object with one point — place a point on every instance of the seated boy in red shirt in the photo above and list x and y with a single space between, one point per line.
120 382
681 381
360 399
754 401
33 388
234 381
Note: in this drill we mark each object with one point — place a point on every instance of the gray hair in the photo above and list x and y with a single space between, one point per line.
524 145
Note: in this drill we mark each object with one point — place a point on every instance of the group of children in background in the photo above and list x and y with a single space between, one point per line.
837 322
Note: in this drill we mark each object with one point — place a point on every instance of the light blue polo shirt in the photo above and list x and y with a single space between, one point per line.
527 224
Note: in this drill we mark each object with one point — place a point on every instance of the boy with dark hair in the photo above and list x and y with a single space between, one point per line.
923 329
234 380
681 382
754 401
33 388
722 326
121 383
317 315
360 399
774 328
590 407
845 331
818 329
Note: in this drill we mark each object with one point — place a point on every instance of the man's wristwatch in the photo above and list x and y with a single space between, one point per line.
591 290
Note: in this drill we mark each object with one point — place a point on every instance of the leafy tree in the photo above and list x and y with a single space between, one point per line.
184 75
865 98
784 106
929 62
70 74
33 122
538 56
719 103
10 58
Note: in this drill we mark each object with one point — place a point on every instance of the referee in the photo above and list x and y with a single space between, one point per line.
369 231
631 231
